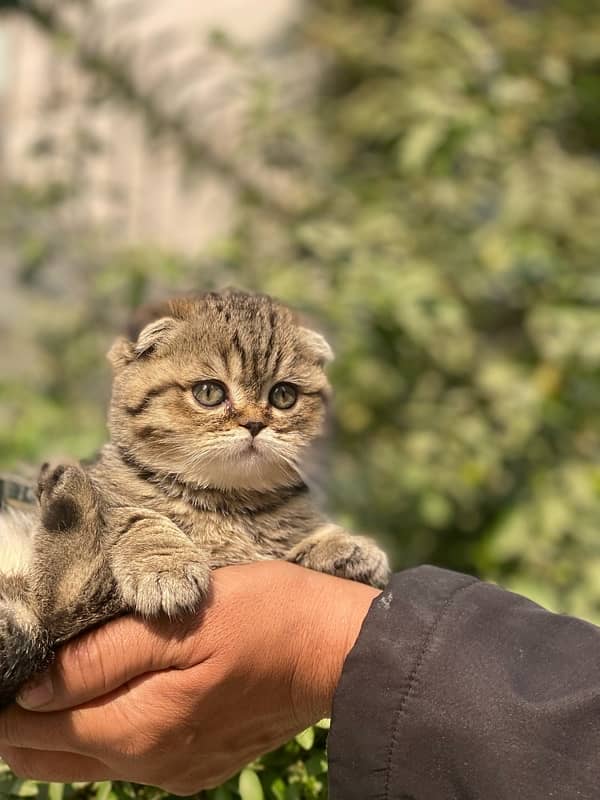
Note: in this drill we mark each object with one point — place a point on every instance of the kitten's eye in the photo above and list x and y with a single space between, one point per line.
209 393
283 396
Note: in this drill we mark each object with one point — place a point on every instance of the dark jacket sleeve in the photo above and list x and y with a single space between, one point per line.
460 690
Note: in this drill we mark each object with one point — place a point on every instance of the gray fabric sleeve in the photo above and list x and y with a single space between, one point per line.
459 690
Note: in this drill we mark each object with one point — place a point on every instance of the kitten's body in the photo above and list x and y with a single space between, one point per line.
182 488
254 524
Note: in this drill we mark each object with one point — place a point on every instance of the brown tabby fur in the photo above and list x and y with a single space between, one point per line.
182 489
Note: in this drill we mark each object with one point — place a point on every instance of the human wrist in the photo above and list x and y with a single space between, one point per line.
332 617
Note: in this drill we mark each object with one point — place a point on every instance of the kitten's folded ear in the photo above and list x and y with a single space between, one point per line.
123 351
317 345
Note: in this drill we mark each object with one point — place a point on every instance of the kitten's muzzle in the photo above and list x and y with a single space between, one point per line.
254 427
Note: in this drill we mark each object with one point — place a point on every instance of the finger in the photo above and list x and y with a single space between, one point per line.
69 731
100 662
55 767
114 724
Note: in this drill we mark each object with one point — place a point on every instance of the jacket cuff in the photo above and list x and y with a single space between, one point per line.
381 675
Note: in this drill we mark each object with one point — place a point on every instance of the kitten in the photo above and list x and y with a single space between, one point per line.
214 407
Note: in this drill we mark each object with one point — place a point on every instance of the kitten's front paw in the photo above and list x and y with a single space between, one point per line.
66 495
337 552
165 584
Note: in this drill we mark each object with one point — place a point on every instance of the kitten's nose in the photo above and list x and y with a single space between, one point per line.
254 427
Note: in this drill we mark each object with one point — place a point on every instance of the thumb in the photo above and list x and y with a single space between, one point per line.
99 662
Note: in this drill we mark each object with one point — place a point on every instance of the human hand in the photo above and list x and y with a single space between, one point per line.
185 705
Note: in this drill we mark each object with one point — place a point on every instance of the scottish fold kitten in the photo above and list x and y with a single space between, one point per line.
214 406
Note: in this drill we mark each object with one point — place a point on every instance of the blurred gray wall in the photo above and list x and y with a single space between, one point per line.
132 184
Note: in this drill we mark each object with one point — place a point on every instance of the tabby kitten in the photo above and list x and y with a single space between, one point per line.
214 407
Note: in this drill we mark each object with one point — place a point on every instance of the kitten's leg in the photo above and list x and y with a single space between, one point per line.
56 589
333 550
72 584
24 644
156 566
67 497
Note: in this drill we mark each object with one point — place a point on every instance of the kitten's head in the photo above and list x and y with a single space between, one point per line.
224 390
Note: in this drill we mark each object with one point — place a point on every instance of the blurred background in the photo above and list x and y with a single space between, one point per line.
421 177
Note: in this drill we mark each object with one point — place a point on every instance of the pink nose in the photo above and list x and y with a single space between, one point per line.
254 427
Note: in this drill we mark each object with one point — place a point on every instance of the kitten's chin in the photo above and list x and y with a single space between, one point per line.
251 472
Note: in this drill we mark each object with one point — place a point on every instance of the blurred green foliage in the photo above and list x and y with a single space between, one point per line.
447 236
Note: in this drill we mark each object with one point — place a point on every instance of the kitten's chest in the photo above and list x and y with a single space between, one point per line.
244 536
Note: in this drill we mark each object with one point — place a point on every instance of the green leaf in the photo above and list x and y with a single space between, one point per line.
222 793
56 791
278 789
420 143
124 790
306 738
22 788
316 764
250 787
325 724
103 790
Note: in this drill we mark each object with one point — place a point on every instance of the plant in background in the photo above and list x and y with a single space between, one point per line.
444 228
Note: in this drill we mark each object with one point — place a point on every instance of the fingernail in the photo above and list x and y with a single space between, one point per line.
37 693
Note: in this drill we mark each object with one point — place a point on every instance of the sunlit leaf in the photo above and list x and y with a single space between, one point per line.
250 787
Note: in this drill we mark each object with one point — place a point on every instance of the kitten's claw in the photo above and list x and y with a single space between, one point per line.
337 552
172 586
66 496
